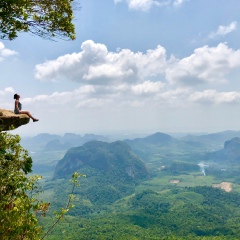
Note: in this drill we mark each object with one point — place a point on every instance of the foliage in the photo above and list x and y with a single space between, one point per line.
111 165
20 206
110 159
190 213
17 191
181 167
44 18
160 208
59 214
90 197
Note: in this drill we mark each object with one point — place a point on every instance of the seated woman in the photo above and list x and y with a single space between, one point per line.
18 108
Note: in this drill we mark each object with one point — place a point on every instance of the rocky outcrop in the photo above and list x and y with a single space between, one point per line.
9 120
229 154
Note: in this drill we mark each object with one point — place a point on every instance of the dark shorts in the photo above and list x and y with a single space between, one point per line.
16 111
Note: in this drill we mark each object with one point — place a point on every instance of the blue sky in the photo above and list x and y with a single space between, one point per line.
136 65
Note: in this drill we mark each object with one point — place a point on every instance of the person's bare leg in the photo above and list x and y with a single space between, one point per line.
29 114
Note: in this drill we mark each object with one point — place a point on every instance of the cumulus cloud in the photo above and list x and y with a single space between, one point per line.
148 87
126 78
119 96
6 95
7 90
61 98
83 97
223 30
5 52
96 65
145 5
176 97
206 64
139 95
214 97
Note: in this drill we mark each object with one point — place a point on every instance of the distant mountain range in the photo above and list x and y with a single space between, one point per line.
216 140
119 160
53 142
114 169
161 144
147 148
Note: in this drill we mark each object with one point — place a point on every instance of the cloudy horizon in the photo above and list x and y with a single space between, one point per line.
133 75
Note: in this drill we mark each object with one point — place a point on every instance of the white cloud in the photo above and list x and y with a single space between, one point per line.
61 98
148 87
92 103
96 65
83 97
4 52
119 96
128 79
206 64
7 90
147 94
177 97
178 3
214 97
223 30
6 95
145 5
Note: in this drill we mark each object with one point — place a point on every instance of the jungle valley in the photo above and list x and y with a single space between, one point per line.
153 187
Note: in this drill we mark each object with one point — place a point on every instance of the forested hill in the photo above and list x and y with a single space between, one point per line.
214 139
229 154
156 139
162 144
114 160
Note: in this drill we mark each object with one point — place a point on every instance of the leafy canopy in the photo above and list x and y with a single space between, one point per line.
17 191
20 206
45 18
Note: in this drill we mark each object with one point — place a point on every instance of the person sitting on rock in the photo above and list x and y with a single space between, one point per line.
18 108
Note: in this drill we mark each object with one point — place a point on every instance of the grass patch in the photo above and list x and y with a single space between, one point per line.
164 180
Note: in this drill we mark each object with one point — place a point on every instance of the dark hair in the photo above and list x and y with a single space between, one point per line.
15 96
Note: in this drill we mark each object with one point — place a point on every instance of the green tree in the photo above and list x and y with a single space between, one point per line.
17 220
44 18
19 201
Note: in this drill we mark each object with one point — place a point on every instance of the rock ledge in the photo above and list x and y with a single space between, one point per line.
9 120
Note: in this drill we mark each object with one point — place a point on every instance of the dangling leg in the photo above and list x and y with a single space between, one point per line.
29 114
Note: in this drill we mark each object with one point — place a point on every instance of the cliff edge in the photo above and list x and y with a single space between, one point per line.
9 120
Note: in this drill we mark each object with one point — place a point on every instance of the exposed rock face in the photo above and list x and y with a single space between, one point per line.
9 120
